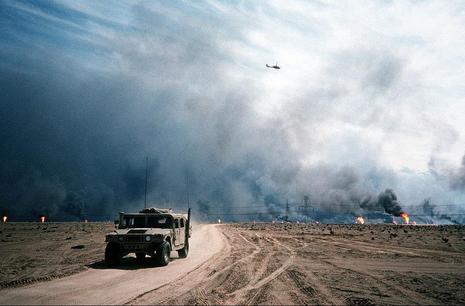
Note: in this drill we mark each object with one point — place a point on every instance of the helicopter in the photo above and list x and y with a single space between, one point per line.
274 67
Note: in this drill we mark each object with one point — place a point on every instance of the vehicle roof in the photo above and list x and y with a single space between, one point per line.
157 214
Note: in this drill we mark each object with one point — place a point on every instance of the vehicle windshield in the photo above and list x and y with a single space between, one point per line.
152 221
160 222
134 221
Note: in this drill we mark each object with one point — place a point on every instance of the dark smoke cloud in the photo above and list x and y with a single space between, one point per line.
388 200
457 178
79 116
430 209
453 176
74 139
82 152
385 201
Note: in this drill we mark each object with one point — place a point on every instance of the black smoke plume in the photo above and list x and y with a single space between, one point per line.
388 200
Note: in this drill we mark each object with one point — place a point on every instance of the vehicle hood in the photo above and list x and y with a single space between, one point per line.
143 231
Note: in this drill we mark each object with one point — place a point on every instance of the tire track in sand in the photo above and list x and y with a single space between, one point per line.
198 280
237 296
185 282
413 297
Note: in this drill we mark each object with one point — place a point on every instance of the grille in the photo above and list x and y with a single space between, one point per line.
137 231
134 238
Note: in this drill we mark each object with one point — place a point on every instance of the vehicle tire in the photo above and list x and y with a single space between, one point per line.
112 255
140 257
182 253
162 257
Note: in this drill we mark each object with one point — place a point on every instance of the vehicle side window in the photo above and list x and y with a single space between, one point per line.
182 222
157 221
176 223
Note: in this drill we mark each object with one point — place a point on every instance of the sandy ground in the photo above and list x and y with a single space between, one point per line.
261 264
33 251
328 264
100 285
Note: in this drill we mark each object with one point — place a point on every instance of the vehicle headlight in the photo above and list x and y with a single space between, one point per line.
148 238
120 238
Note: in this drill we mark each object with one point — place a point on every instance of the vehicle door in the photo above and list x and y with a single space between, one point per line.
177 232
182 228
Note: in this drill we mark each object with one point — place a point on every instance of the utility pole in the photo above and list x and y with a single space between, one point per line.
307 205
287 210
306 198
305 208
146 178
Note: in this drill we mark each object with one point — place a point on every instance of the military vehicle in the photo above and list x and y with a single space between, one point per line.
153 231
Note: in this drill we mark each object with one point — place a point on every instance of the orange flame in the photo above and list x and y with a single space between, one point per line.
405 217
359 220
5 218
42 219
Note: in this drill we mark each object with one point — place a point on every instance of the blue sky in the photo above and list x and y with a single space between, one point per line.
375 86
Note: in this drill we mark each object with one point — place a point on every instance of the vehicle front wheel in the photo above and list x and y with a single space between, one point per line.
140 257
182 253
112 255
162 256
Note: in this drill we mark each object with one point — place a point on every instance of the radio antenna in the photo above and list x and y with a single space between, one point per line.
187 188
146 178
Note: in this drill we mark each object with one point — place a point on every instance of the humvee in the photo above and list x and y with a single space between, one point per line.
153 231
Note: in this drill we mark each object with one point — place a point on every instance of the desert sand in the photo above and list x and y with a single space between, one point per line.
242 264
32 251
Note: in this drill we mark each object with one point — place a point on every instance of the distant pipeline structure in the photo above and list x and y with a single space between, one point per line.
385 208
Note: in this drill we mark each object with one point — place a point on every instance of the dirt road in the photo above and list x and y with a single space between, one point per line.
99 285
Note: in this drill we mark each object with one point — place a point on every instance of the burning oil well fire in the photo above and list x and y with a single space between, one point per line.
359 220
405 217
388 201
384 208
